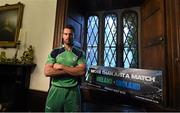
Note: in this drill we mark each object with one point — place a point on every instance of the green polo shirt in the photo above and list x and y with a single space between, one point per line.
70 58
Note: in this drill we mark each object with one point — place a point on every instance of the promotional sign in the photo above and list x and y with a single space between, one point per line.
139 83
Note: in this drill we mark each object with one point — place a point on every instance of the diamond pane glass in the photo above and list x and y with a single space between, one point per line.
92 40
130 57
110 54
91 56
110 40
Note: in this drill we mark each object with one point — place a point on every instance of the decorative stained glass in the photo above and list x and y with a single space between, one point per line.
110 40
130 34
92 40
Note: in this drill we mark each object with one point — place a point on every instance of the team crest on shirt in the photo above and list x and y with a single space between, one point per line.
75 58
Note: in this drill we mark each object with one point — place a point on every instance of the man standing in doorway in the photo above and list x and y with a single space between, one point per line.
65 65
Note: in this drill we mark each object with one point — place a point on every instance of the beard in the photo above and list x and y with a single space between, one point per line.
68 42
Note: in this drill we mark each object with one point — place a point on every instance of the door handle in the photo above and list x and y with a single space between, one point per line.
155 41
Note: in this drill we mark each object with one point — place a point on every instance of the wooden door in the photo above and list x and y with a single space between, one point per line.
152 35
160 43
152 42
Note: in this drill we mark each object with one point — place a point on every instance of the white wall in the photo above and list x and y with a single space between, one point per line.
37 30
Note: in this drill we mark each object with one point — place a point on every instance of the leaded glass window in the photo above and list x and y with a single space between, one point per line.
110 40
130 39
92 40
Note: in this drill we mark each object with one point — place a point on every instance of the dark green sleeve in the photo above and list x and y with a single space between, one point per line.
82 60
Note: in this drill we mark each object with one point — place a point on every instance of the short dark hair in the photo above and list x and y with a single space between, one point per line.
70 27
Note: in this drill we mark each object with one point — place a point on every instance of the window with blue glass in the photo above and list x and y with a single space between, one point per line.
130 34
112 39
92 40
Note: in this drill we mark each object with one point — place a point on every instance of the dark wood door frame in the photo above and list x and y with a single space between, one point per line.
173 51
61 15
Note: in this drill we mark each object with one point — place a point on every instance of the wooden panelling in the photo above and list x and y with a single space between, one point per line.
152 39
177 11
36 101
14 84
100 5
150 54
150 7
173 51
152 29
